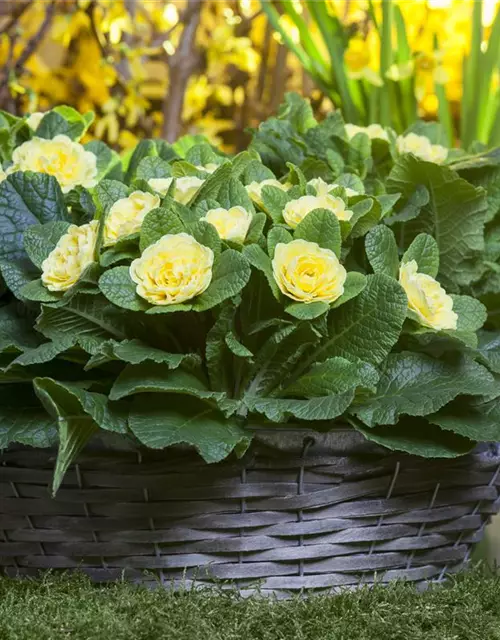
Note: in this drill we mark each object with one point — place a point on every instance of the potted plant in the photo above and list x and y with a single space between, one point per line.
270 366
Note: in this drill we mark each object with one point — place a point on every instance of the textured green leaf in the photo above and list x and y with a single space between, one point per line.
382 251
157 223
417 385
256 228
212 185
412 206
16 273
108 161
309 311
354 284
231 273
90 317
27 199
236 347
44 352
232 193
153 167
320 408
425 251
161 421
276 236
320 226
261 261
333 376
38 292
471 313
367 327
16 328
23 419
488 350
471 417
418 437
40 240
118 287
206 234
62 121
274 201
160 378
107 192
137 352
144 149
217 354
454 216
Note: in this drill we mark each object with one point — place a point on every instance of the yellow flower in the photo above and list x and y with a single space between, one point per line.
322 188
185 187
174 269
73 253
254 189
126 216
34 120
373 131
296 210
421 147
60 157
428 302
307 273
231 224
360 59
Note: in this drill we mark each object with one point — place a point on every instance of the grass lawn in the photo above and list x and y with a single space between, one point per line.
52 608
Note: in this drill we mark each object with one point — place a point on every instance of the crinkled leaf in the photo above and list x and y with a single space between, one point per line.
382 251
309 311
417 385
160 421
40 240
107 192
119 288
276 236
425 251
320 226
157 223
354 284
320 408
230 274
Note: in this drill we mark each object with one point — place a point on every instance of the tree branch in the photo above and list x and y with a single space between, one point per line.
182 64
33 43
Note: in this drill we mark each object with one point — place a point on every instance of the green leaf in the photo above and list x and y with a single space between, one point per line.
425 251
206 234
236 347
321 408
231 273
17 273
27 199
255 171
232 193
333 376
320 226
212 185
153 167
354 284
118 287
108 162
471 313
62 120
256 228
276 236
412 207
90 317
274 201
23 419
367 327
161 421
217 355
382 251
418 437
202 154
38 292
41 240
144 149
136 352
79 414
309 311
454 216
157 223
16 328
471 418
107 192
417 385
43 353
488 350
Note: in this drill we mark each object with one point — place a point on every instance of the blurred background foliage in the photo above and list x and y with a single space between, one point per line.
215 67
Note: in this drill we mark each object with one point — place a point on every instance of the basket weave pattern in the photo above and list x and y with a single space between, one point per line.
309 518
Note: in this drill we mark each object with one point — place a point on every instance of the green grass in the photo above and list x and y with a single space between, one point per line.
52 608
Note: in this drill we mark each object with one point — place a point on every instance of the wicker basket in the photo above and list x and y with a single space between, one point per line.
300 511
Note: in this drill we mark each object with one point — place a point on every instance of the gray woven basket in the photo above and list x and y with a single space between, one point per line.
300 511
